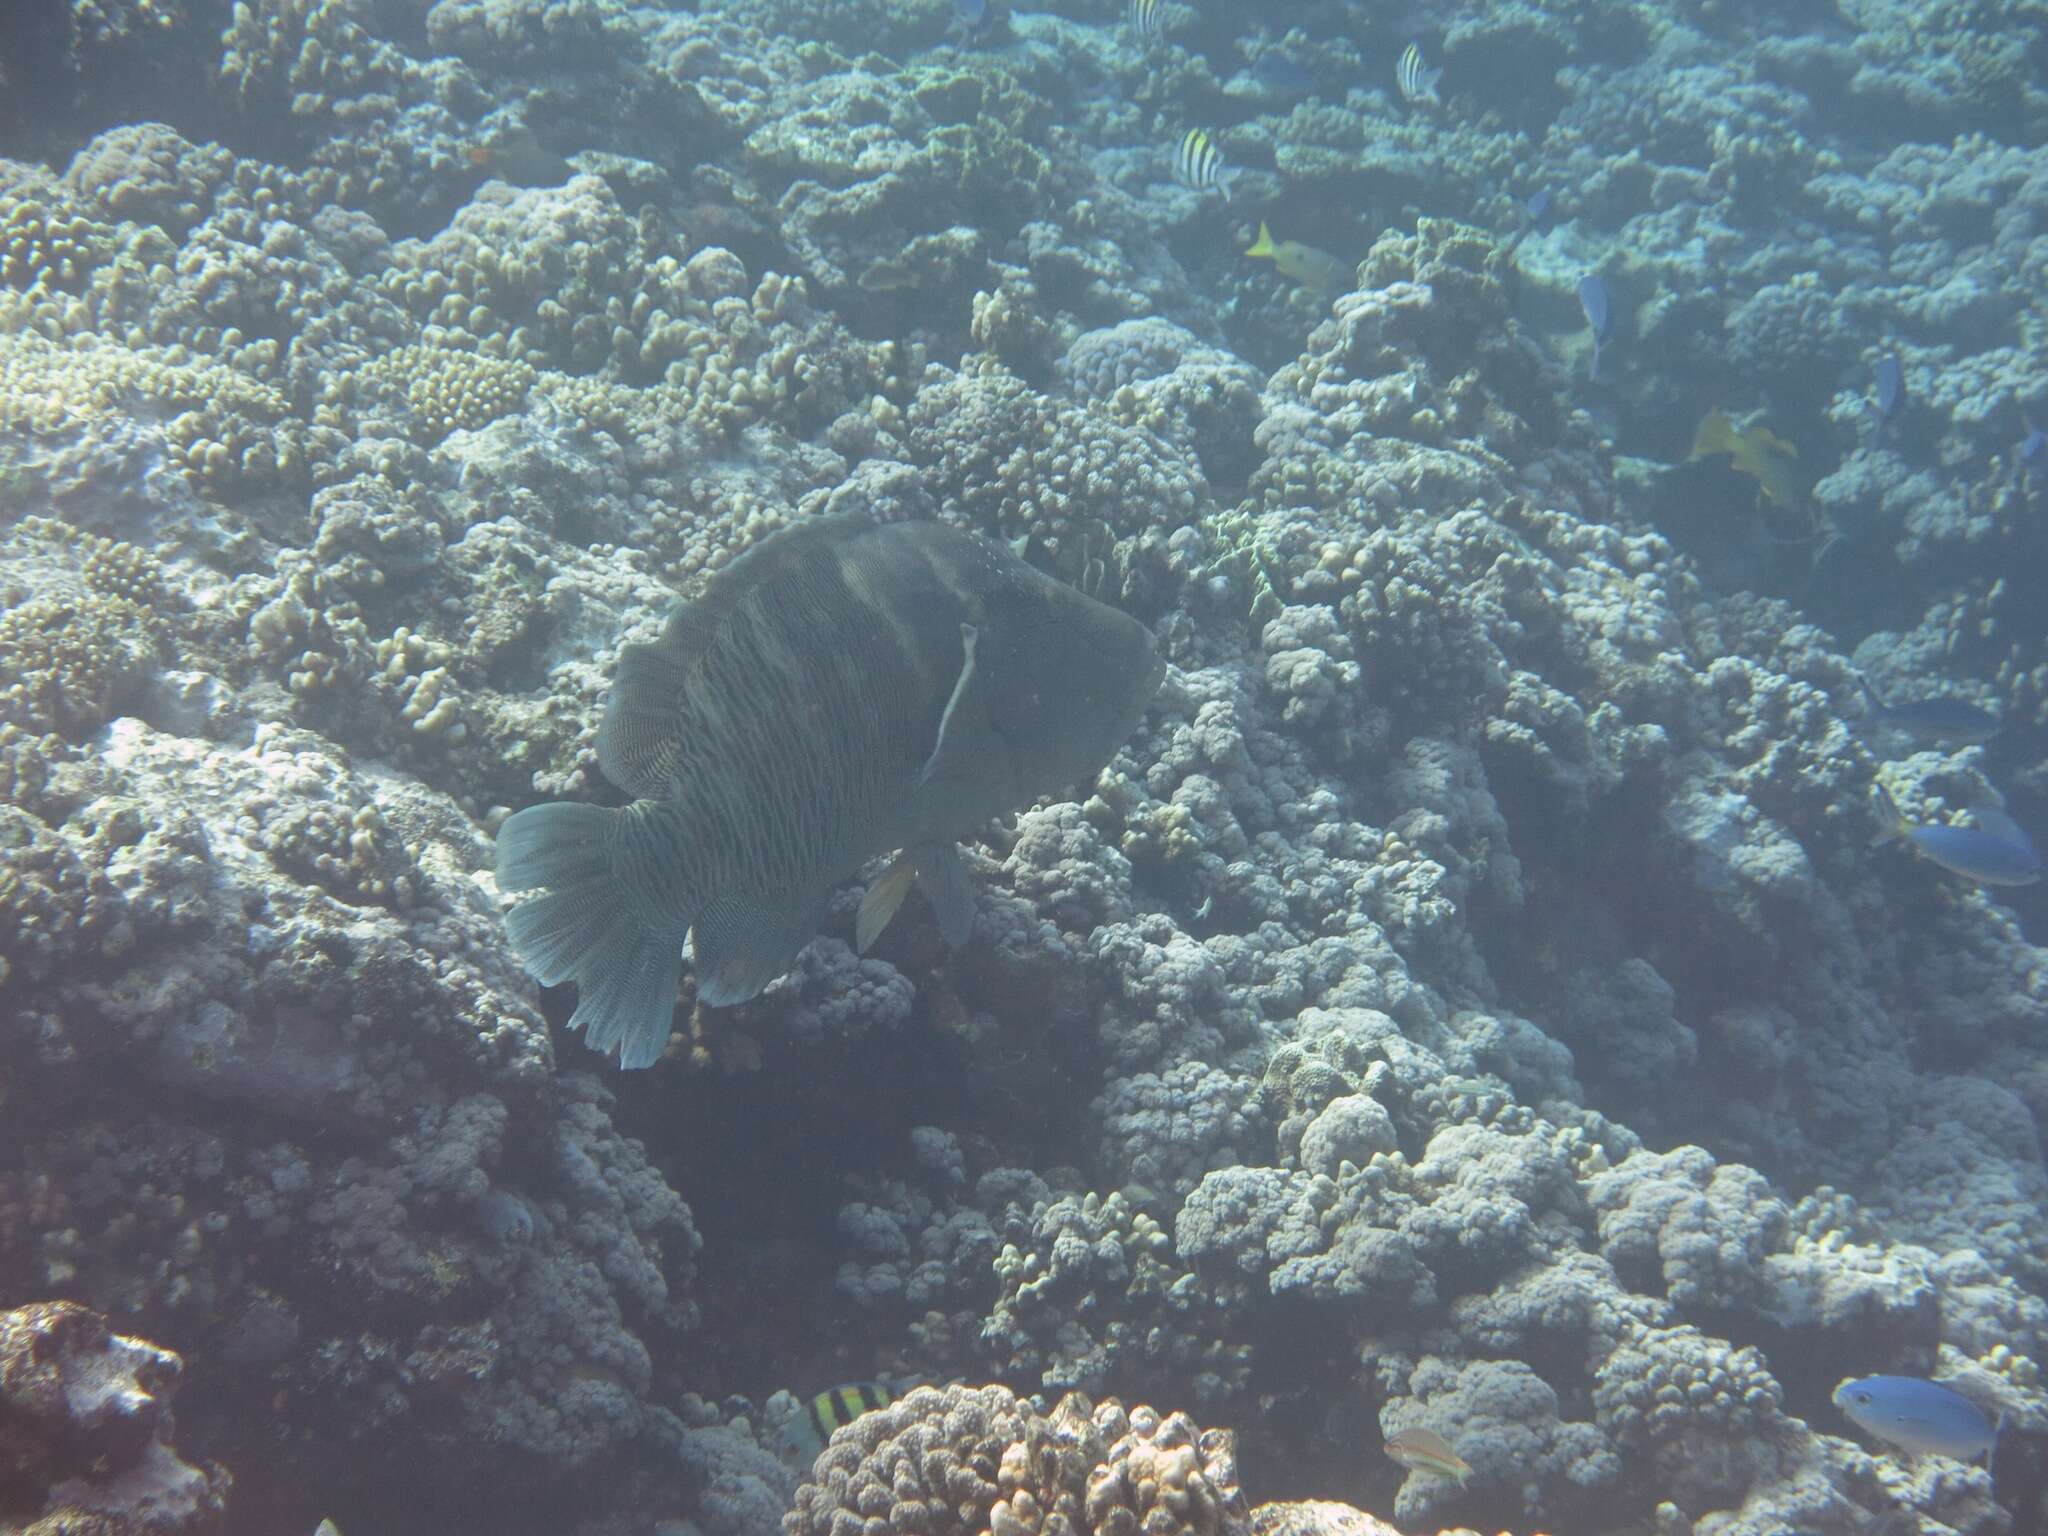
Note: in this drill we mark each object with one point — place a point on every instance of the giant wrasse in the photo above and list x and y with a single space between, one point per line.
843 689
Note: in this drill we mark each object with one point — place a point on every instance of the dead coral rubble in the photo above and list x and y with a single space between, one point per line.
85 1432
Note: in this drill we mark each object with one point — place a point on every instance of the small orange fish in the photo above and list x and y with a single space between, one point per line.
516 156
1428 1451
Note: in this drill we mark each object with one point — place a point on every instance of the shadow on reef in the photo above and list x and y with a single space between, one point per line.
767 1130
69 71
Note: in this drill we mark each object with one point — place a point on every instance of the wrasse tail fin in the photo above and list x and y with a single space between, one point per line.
586 928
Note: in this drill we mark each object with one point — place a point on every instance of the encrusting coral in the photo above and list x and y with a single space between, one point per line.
88 1440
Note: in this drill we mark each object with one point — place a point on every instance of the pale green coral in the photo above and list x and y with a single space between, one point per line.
230 432
448 391
1243 556
111 567
70 662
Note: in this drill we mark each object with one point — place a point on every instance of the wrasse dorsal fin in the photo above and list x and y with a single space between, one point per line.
640 741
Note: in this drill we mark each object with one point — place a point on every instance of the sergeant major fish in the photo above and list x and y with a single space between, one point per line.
842 689
1416 79
1199 164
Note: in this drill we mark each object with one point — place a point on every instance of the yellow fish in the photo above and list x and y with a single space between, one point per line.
1305 264
1427 1450
1757 452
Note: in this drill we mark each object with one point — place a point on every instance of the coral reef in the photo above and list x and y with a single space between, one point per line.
86 1431
962 1459
1470 1001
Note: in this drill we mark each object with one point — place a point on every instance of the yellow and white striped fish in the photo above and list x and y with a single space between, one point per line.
1144 17
1417 81
1199 164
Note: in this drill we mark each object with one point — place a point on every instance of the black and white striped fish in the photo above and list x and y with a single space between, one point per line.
1199 164
842 689
1145 19
1417 81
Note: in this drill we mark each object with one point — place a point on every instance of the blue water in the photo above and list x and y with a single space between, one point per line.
1469 1000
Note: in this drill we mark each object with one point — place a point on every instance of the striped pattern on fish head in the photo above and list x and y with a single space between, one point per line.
1058 681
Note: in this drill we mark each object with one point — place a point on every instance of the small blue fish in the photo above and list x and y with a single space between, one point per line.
1532 209
1599 312
1920 1416
2035 443
1933 720
1891 387
1993 852
1281 74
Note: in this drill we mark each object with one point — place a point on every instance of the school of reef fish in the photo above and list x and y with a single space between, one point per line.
1302 748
